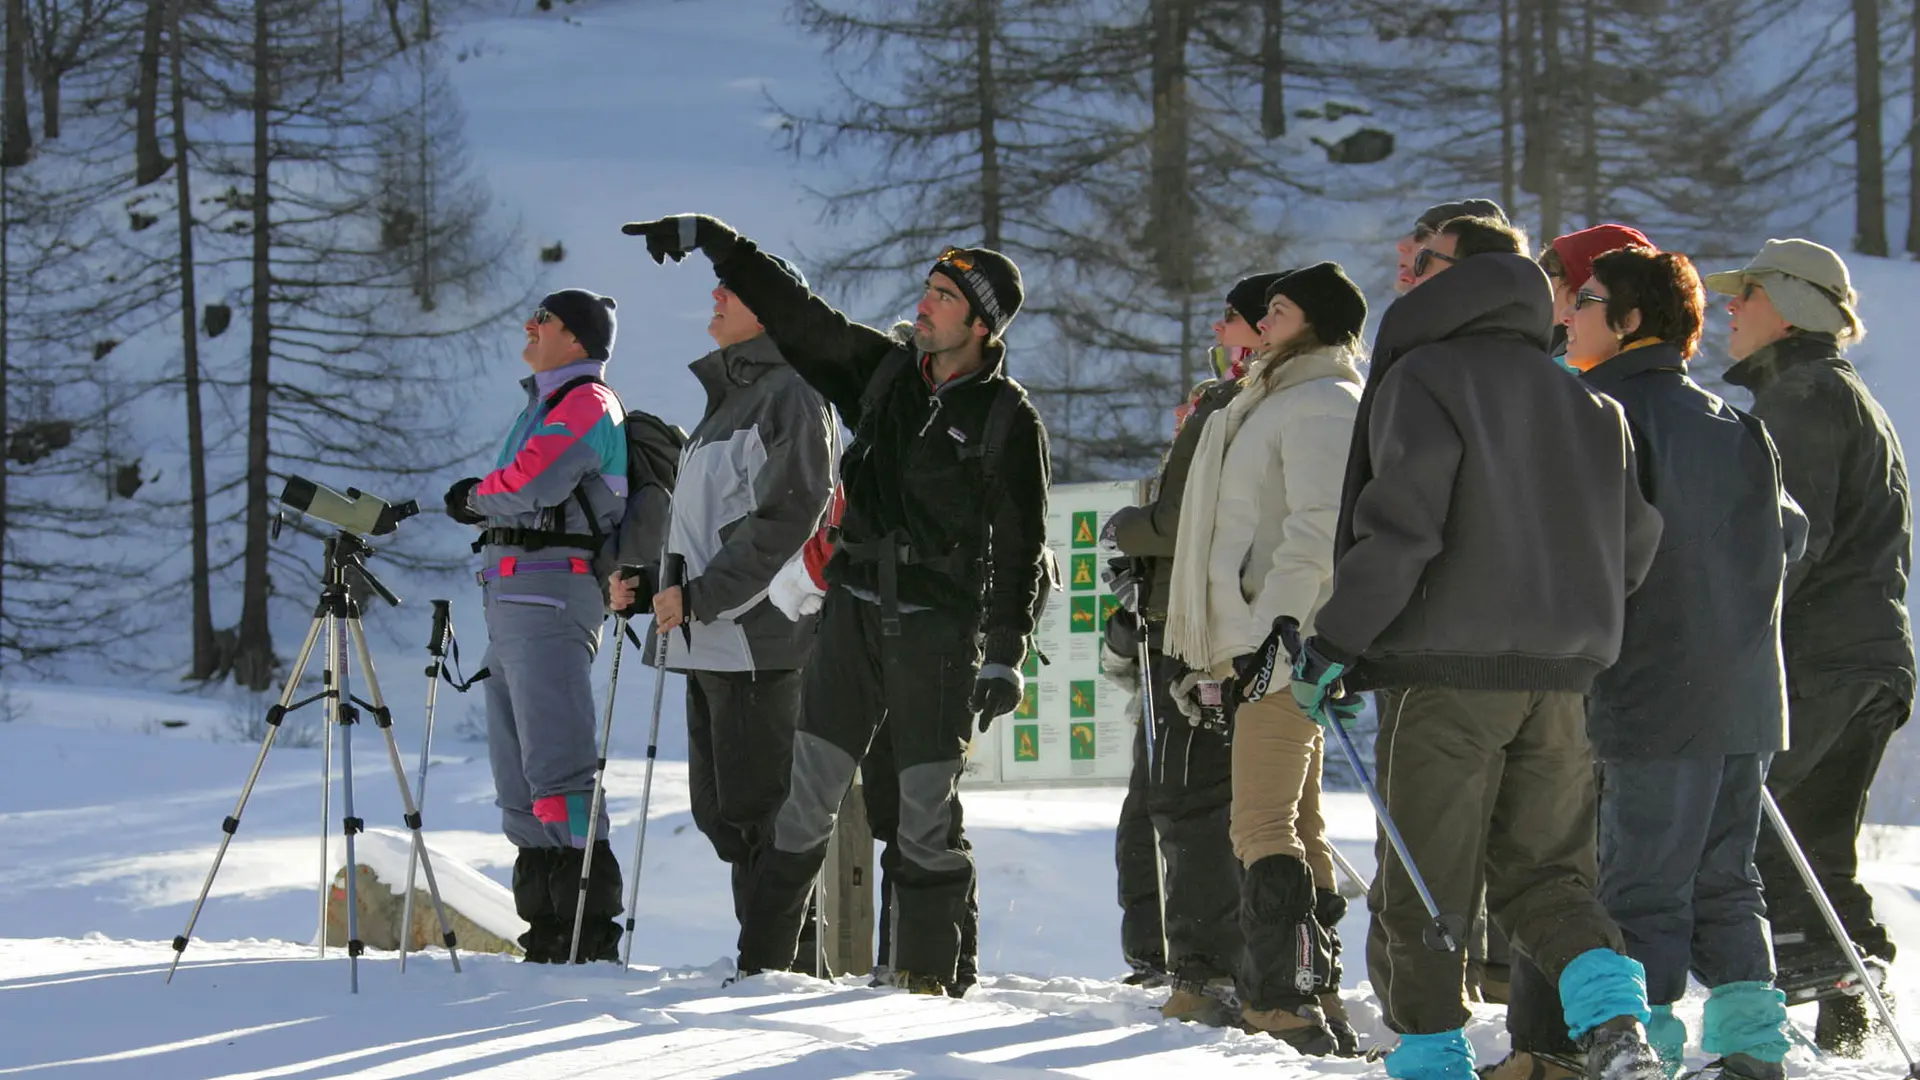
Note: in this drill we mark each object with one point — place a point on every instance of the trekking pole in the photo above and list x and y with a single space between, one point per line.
437 649
1146 719
672 569
1346 868
1439 935
599 786
1840 935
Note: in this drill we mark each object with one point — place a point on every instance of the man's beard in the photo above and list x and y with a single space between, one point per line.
925 340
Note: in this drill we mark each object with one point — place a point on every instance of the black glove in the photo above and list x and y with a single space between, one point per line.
642 577
996 691
457 506
673 237
1255 671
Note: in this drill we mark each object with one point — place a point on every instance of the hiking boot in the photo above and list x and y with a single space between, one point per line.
1739 1067
1150 972
1618 1050
1495 984
1193 1002
1303 1027
1524 1065
1346 1041
1843 1025
544 943
927 985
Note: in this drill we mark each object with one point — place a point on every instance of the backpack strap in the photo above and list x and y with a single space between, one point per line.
553 535
890 367
996 432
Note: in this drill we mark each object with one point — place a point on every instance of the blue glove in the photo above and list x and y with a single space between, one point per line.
1316 679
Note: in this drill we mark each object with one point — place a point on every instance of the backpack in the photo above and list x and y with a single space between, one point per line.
653 467
994 435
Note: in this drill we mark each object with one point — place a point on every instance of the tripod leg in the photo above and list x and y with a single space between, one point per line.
420 804
232 824
347 715
599 792
326 787
646 798
383 717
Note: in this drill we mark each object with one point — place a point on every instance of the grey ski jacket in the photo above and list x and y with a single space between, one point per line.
755 478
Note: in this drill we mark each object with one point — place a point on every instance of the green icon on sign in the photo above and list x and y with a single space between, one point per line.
1086 528
1080 701
1029 703
1030 667
1083 577
1080 742
1108 605
1086 615
1026 742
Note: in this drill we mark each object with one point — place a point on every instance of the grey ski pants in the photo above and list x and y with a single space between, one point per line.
541 736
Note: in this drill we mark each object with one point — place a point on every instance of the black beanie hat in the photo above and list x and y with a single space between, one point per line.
587 316
1332 303
1437 216
990 282
1249 296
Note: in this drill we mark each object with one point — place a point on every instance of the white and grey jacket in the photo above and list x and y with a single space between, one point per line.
755 478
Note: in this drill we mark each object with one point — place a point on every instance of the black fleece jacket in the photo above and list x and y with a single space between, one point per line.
910 474
1846 602
1491 525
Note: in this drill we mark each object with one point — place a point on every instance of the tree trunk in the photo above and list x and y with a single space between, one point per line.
1870 180
16 130
1533 147
1551 72
1589 122
253 659
205 652
1273 66
1169 200
1913 146
148 163
50 103
6 415
1507 164
990 193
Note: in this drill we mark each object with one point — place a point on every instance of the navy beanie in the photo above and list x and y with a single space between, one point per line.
1249 296
588 316
1436 216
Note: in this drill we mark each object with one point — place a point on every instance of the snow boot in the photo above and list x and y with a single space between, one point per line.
1526 1065
925 985
1739 1067
1149 971
1195 1001
600 926
544 942
1745 1025
1843 1025
1618 1050
1346 1041
1303 1027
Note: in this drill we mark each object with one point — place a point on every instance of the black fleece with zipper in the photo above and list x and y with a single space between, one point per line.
914 472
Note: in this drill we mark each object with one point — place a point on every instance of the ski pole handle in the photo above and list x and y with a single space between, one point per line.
442 628
673 574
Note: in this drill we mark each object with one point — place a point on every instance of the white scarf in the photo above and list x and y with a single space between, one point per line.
1189 625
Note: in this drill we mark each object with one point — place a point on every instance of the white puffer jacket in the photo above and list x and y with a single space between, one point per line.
1262 501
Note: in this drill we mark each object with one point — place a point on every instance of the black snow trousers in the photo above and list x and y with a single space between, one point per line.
1141 939
1821 782
1188 798
740 728
880 795
858 677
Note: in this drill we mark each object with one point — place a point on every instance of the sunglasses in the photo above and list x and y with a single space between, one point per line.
956 258
541 316
1584 297
1424 260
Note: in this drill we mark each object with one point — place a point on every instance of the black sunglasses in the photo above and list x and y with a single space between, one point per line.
1584 297
541 316
1425 259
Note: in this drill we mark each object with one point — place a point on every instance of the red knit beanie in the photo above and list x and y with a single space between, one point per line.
1578 250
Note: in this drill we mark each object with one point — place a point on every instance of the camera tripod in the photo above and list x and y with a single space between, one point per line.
337 618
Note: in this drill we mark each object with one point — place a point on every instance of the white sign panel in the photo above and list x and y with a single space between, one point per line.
1074 724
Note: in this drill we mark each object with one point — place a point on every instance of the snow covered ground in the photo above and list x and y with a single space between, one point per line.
109 819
